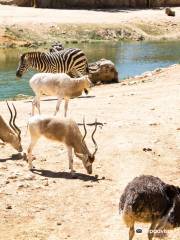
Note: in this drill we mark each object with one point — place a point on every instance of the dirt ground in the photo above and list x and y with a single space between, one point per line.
49 205
22 26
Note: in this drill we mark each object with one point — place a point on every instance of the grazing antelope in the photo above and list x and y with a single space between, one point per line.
12 134
65 131
57 84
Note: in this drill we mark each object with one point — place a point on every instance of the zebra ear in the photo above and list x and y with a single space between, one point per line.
23 56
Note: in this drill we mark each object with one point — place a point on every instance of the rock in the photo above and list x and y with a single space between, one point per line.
43 159
3 167
153 124
147 74
103 71
13 176
19 164
140 38
59 223
147 149
44 178
88 185
158 70
169 12
132 83
29 177
46 183
22 185
8 206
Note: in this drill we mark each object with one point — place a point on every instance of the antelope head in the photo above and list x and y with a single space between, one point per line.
88 158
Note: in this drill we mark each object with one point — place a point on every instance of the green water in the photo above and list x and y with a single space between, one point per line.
130 58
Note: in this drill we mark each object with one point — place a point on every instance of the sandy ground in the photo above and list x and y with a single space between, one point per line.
20 25
49 205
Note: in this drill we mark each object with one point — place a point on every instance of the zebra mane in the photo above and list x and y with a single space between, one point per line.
30 54
47 53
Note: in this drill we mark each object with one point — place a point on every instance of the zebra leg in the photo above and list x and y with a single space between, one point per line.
66 106
57 105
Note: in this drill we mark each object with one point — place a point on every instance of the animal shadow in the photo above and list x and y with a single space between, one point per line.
66 175
17 156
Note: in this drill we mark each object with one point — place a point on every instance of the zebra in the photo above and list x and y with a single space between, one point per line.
71 61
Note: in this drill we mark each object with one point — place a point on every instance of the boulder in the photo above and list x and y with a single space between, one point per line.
103 71
169 12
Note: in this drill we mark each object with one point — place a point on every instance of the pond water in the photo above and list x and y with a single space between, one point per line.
130 58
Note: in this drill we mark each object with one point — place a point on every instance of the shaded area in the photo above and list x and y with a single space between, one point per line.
17 156
92 3
66 175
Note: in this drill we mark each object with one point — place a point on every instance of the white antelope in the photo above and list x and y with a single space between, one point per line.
11 134
65 131
60 85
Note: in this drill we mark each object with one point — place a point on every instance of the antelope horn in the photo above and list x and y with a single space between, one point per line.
11 117
92 136
18 131
85 131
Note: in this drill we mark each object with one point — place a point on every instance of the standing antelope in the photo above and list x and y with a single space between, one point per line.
58 84
12 134
65 131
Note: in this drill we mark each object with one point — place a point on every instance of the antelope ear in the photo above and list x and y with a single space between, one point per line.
79 155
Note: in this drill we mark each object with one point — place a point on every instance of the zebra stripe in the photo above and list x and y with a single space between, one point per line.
71 61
